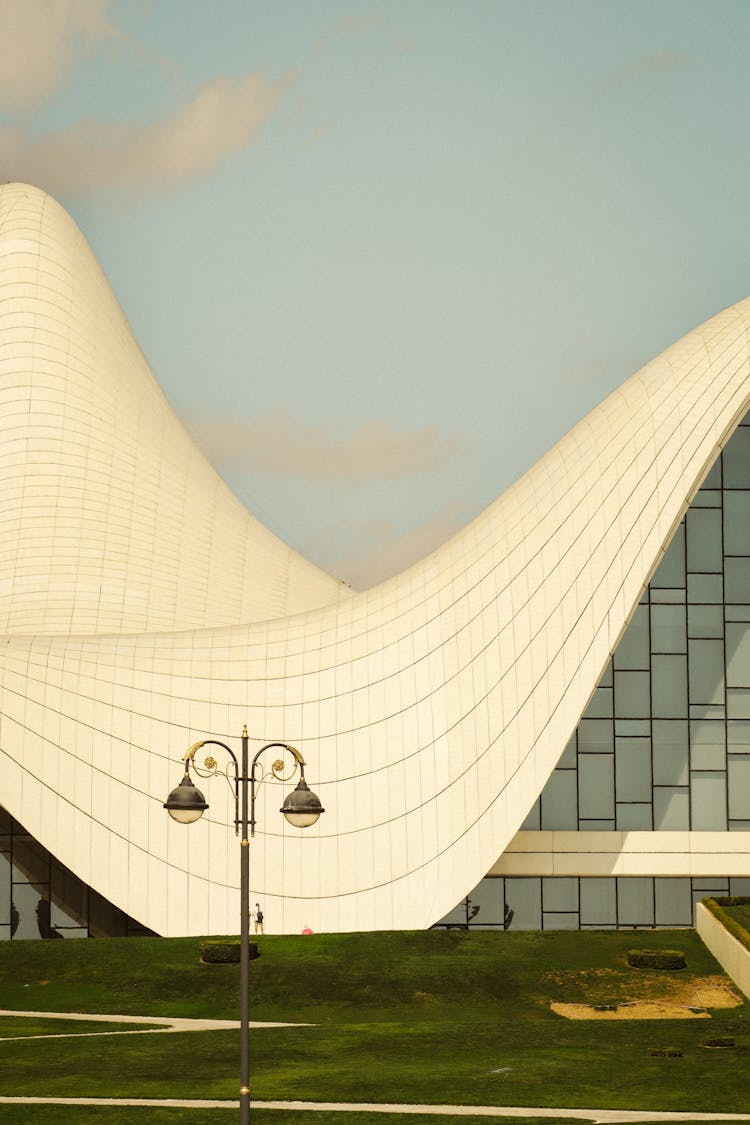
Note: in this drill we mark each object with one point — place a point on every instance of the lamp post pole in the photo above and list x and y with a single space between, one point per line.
245 940
301 808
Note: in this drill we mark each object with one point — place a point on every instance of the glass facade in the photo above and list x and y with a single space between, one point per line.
664 743
572 903
39 898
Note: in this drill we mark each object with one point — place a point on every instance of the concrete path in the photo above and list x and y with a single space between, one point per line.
596 1116
165 1024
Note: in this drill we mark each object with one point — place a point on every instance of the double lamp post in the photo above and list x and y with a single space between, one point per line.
301 808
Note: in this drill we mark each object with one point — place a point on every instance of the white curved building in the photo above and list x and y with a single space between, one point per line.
465 718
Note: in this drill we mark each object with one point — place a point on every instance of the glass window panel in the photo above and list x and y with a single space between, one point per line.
569 755
533 820
739 825
633 647
632 695
708 792
667 596
668 628
559 894
738 737
671 570
4 889
707 498
669 687
740 886
559 801
705 621
671 809
713 480
707 711
634 817
738 778
738 703
595 736
707 588
712 886
737 612
524 897
706 665
708 748
598 902
596 786
560 921
635 902
30 861
627 727
738 653
736 459
674 902
488 896
737 578
26 900
455 917
704 539
670 753
606 680
737 523
68 898
604 825
633 769
600 704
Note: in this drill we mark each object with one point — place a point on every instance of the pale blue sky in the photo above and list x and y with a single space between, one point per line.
381 256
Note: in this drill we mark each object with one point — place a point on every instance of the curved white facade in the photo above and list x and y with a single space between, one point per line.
431 709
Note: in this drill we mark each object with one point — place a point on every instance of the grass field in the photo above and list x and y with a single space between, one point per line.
741 914
426 1017
137 1115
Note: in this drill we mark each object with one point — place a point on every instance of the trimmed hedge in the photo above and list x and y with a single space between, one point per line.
719 1041
715 907
225 952
665 1052
656 959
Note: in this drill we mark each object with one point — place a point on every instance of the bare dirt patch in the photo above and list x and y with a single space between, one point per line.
676 1000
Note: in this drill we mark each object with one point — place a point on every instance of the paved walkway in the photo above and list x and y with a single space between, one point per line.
165 1024
596 1116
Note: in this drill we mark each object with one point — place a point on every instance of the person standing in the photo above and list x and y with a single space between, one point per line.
258 919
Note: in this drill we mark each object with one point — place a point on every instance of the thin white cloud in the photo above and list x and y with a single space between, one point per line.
40 41
223 117
364 553
656 65
284 446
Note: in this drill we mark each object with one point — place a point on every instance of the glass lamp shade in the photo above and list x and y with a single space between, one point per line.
302 807
185 803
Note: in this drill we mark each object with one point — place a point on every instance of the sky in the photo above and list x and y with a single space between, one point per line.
382 255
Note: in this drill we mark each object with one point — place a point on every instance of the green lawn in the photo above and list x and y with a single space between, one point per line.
741 915
424 1017
137 1115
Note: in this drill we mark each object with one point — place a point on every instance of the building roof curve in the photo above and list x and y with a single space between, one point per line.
431 709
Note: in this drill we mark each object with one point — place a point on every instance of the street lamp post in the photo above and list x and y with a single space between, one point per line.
301 808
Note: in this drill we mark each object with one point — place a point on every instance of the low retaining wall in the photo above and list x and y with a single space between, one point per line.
730 953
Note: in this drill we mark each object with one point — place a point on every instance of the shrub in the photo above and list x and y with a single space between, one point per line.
719 1041
225 952
715 907
656 959
665 1052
